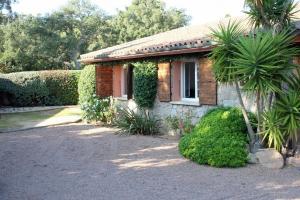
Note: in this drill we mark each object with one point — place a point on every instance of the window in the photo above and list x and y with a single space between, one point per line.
124 81
189 81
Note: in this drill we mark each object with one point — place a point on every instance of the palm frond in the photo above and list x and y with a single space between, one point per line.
225 37
262 61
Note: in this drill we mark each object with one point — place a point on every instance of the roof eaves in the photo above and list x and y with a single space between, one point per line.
146 55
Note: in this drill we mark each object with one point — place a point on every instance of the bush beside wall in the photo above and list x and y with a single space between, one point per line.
219 139
87 84
38 88
145 84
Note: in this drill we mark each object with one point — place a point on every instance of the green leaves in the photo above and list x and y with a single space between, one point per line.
288 108
282 122
271 14
145 84
223 53
263 60
273 132
57 87
87 84
219 139
133 123
96 109
146 17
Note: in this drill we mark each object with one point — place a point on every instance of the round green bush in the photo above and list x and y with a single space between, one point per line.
87 84
34 88
145 84
219 139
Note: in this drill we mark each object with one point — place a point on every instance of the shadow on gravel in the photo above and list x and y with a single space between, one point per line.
89 162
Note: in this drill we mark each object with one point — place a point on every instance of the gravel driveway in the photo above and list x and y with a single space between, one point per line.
87 162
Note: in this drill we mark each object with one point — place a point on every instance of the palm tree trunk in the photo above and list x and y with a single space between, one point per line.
270 100
259 112
251 133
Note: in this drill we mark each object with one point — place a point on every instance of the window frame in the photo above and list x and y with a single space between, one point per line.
182 85
124 82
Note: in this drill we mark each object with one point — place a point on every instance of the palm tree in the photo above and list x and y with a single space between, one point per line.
262 63
274 15
221 56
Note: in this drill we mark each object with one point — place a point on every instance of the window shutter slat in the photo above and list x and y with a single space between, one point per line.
104 81
207 84
164 82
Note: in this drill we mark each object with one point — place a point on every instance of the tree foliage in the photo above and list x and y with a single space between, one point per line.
29 44
52 41
6 4
55 41
146 17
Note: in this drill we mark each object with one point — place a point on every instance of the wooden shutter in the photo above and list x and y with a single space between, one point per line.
164 82
104 81
117 78
176 81
130 81
207 84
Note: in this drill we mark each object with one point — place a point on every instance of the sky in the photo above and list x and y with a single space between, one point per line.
201 11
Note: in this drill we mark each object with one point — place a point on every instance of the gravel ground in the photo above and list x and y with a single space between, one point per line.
87 162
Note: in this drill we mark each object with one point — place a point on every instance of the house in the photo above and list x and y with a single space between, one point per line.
185 79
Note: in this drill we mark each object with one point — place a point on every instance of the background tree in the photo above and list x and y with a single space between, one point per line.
30 43
5 6
83 27
146 17
55 41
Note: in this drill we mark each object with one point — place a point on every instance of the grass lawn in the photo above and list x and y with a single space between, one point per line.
19 120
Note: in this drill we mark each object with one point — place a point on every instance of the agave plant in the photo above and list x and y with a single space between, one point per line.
282 123
288 107
272 130
136 123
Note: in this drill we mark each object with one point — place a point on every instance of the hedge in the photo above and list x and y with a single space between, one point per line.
145 84
37 88
87 84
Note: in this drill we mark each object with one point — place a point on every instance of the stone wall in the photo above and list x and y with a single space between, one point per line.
226 97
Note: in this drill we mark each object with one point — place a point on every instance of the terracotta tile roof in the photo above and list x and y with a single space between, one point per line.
195 37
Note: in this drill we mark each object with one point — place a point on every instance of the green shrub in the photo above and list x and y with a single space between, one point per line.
57 87
134 123
145 84
219 139
87 84
62 86
97 109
